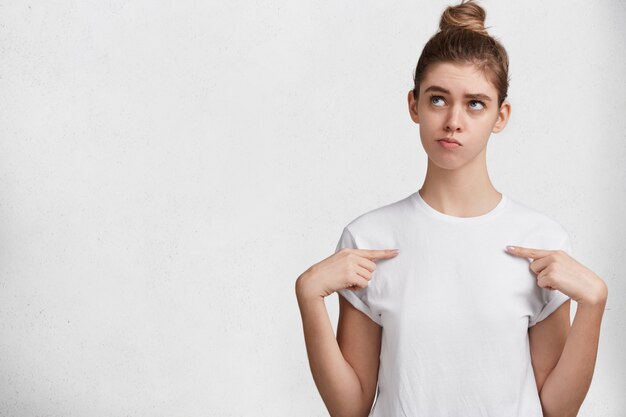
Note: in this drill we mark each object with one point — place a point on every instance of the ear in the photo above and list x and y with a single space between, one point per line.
413 107
503 117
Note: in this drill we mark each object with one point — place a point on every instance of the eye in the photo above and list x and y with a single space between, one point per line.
482 104
433 98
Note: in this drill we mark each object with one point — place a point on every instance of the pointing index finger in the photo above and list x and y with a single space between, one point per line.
527 252
374 254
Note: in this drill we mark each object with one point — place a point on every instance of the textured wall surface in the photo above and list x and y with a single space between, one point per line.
169 168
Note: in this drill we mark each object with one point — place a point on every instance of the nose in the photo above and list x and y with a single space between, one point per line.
454 122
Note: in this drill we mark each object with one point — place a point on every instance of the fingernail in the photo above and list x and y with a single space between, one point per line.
396 250
510 248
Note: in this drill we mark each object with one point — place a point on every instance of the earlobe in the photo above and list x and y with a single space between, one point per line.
413 107
498 126
503 116
414 115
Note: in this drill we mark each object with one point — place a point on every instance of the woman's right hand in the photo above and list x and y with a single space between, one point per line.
347 268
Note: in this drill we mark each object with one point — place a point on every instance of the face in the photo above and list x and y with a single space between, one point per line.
457 101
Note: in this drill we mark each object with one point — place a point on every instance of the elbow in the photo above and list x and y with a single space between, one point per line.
359 414
548 412
356 411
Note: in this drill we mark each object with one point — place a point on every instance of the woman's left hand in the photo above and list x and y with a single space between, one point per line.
556 270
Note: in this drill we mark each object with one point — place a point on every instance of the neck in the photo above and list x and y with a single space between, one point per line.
463 192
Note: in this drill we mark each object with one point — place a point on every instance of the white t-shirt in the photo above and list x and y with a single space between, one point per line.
455 307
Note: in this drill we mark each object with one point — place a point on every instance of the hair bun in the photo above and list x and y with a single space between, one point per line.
467 15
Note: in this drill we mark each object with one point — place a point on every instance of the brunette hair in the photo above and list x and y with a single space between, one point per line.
463 39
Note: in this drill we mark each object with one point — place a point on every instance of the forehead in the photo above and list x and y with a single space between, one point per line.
458 78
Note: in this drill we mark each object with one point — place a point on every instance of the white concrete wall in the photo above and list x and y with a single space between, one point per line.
168 169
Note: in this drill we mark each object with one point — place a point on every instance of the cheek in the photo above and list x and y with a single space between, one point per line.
426 131
486 126
430 121
431 128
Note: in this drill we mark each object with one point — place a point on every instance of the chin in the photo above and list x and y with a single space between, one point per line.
448 165
445 160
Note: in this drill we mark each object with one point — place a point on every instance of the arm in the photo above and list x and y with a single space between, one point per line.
337 381
567 384
547 339
360 340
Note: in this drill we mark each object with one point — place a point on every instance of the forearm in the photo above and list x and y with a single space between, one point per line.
334 377
567 385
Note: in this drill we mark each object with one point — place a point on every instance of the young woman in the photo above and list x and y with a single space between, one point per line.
454 324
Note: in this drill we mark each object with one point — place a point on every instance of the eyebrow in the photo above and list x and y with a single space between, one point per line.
477 96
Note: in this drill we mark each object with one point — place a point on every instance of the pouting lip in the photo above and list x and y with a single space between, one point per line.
450 140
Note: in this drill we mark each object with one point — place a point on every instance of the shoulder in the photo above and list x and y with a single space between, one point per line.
536 222
381 219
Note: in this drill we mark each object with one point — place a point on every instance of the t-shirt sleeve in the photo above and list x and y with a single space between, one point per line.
552 299
357 297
